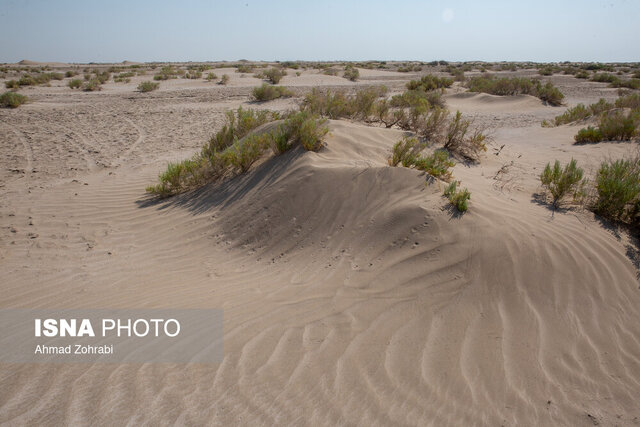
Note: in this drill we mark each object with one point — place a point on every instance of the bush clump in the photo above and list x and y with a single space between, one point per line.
268 92
560 182
351 73
235 148
75 83
547 92
458 198
12 100
224 79
429 82
618 189
148 86
614 126
274 75
92 85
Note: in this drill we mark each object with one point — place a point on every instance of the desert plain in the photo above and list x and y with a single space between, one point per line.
352 293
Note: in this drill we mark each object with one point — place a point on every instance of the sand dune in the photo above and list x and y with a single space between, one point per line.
352 295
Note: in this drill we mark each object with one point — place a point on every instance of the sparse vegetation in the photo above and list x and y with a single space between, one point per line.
458 198
548 93
75 83
92 85
618 189
224 79
235 148
560 182
148 86
429 83
614 126
274 75
351 73
12 100
268 92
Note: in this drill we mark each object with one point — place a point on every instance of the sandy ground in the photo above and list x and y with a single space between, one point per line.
352 295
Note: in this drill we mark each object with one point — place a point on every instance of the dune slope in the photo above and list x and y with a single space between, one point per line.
352 295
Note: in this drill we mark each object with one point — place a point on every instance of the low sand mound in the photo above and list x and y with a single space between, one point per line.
42 64
472 101
352 295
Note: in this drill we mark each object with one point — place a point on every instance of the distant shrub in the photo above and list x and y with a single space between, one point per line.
12 100
618 126
267 92
458 198
631 84
546 71
166 73
12 84
516 85
330 71
580 112
274 75
618 187
75 83
148 86
103 77
244 69
604 78
429 82
92 85
70 73
588 135
211 77
224 79
581 75
351 73
561 182
630 101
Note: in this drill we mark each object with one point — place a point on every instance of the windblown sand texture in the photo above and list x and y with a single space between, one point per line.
352 295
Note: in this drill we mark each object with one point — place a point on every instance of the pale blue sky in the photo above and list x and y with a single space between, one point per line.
199 30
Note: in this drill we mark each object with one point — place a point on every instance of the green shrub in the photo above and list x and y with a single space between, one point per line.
548 93
588 135
429 82
306 129
437 165
618 126
75 83
330 71
12 84
224 79
406 151
581 75
193 75
618 188
103 77
237 125
274 75
604 78
91 85
12 100
630 101
351 73
166 73
463 140
244 153
148 86
562 182
211 77
244 69
458 198
546 71
267 92
580 112
71 74
631 84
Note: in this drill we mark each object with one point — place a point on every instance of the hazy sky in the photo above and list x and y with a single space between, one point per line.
199 30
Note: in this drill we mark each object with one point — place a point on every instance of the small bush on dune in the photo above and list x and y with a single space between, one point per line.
618 189
75 83
238 124
224 79
630 101
560 182
351 73
148 86
211 77
12 100
406 151
274 75
588 135
12 84
267 92
581 75
429 82
580 112
461 139
604 78
92 85
437 165
516 85
458 198
618 126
